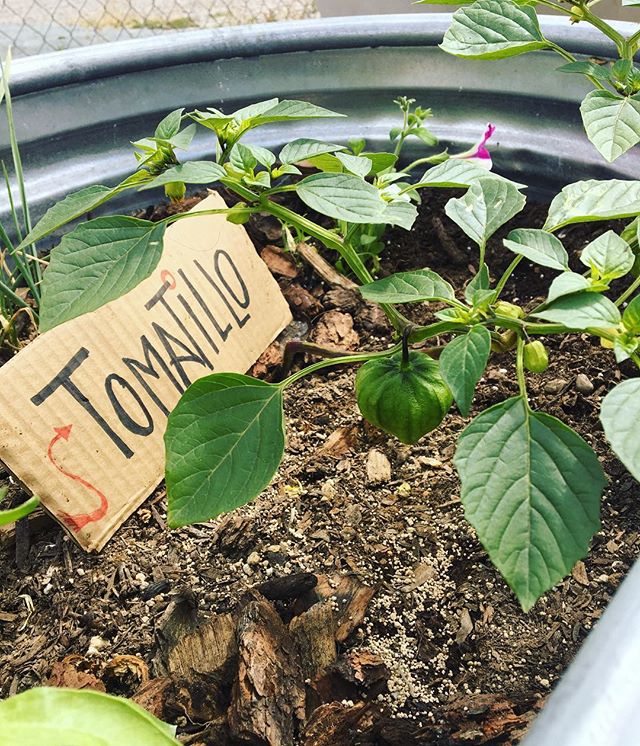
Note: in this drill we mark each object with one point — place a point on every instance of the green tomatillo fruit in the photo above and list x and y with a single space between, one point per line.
536 358
404 395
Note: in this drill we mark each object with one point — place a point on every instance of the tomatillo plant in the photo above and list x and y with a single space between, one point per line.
494 29
531 486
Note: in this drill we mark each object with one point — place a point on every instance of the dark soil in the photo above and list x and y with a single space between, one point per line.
465 665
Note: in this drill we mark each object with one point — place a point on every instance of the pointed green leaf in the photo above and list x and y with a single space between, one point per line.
462 363
356 164
193 172
246 157
457 172
631 316
619 414
584 67
531 488
408 287
97 262
609 255
380 161
399 213
342 197
170 125
288 111
304 148
71 207
479 283
487 205
224 442
612 122
586 201
491 29
566 284
581 311
51 716
538 246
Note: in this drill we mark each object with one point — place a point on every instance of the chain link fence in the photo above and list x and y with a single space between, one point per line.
37 26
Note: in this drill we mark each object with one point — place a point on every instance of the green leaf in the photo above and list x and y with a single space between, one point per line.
380 161
246 157
288 111
224 442
457 172
581 311
612 122
609 255
631 316
566 284
481 282
538 246
408 287
399 213
342 197
586 201
51 716
193 172
68 209
170 125
619 414
491 29
356 164
487 205
304 148
531 488
583 67
462 363
97 262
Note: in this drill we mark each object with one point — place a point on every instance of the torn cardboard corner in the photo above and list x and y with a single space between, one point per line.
83 408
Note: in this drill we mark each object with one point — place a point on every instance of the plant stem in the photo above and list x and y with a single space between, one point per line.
431 160
602 26
522 382
422 333
629 291
6 290
219 211
345 360
21 511
507 274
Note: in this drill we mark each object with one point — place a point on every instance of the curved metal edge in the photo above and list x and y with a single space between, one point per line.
32 74
596 701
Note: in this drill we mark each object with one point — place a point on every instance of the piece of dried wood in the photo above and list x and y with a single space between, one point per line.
279 262
268 699
335 331
351 597
335 724
69 674
153 696
378 467
314 636
326 271
340 441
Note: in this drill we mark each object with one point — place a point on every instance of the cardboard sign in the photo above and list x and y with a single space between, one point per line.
83 408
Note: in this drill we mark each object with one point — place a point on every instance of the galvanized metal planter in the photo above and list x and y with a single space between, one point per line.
76 112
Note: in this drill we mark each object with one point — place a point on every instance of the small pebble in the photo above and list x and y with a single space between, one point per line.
555 386
583 384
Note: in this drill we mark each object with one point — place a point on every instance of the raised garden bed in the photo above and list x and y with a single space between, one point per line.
431 646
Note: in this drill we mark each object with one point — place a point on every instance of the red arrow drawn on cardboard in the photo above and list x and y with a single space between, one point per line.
76 522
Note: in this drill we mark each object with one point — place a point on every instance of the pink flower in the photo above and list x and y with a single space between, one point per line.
479 154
